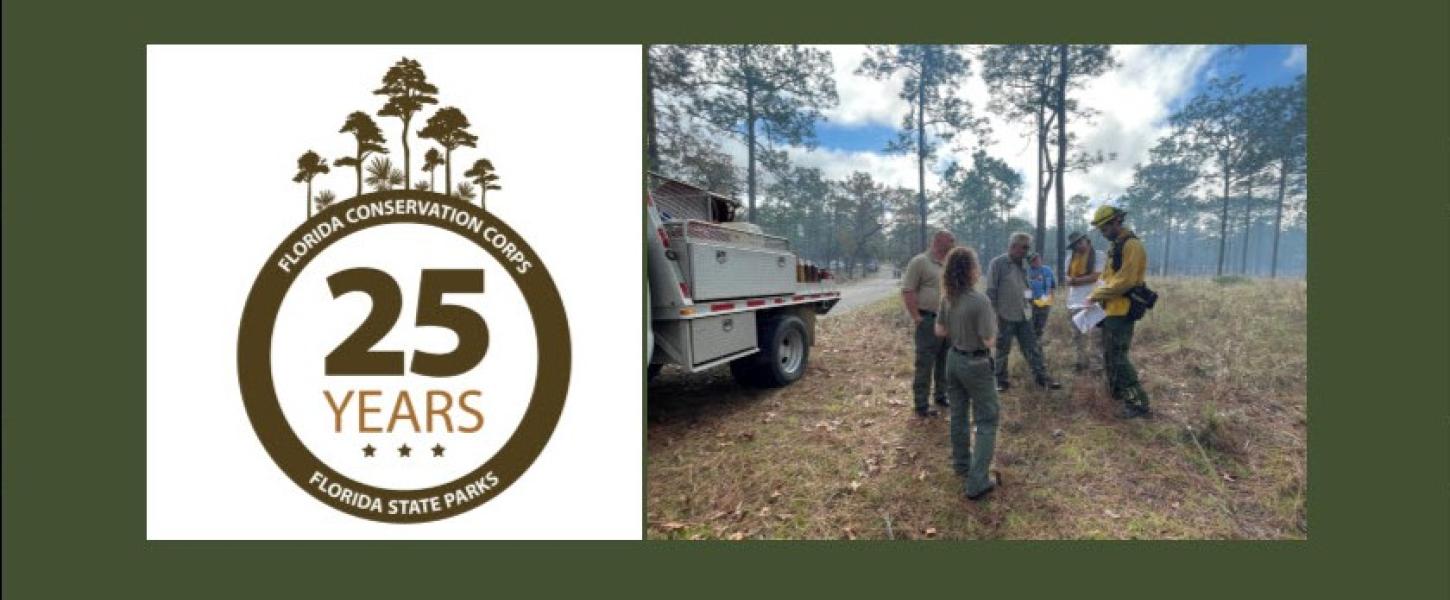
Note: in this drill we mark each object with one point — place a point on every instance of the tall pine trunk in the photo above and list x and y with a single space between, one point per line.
309 198
1223 222
1042 190
921 155
407 155
447 171
1061 144
1248 227
1167 245
750 147
1278 221
653 141
359 167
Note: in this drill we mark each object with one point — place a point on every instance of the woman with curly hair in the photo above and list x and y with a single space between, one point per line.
968 320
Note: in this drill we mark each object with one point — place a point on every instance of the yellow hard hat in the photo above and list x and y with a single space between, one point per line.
1106 213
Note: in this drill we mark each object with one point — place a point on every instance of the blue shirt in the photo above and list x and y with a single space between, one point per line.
1041 281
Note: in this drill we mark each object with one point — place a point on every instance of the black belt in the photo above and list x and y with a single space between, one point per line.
930 313
974 354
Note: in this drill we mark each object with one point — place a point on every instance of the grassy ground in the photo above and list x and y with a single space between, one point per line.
838 455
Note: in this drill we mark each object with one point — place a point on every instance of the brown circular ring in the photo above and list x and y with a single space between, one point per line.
254 370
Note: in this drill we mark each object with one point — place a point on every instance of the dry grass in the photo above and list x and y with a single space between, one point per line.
839 455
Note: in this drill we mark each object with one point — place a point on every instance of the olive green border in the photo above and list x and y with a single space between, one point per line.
259 393
74 304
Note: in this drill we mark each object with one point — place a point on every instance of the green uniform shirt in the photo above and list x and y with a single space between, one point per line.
969 319
923 276
1007 288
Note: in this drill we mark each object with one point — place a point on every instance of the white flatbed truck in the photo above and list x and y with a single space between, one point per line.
722 292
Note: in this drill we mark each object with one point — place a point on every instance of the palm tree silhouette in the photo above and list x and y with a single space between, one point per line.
369 140
309 165
431 160
465 191
422 186
448 127
382 175
487 179
407 89
324 199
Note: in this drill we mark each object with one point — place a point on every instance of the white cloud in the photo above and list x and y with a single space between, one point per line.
862 99
1133 101
898 170
1296 58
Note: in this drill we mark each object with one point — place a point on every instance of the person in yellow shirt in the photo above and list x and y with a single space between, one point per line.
1083 270
1127 264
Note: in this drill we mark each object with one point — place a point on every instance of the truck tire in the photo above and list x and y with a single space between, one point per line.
654 371
784 354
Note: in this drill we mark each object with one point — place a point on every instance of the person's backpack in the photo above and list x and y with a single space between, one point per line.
1140 301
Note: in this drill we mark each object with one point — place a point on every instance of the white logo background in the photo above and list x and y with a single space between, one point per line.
225 125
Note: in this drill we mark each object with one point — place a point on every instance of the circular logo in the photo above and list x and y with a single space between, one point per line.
392 420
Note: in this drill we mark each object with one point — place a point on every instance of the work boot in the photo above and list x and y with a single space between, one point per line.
995 480
926 412
1003 386
942 402
1134 412
1050 384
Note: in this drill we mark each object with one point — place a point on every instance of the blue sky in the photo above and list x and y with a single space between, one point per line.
1133 102
1261 66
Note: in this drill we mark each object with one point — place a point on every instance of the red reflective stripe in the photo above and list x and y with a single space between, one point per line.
779 300
722 306
755 303
797 298
685 289
663 238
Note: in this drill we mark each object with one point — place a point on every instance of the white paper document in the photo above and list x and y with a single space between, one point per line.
1088 317
1077 296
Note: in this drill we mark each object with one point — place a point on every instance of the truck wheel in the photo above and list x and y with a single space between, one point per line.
654 370
783 354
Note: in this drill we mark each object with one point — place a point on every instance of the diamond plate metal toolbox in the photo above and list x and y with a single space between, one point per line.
714 337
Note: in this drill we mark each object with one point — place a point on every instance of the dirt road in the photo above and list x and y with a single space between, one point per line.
864 292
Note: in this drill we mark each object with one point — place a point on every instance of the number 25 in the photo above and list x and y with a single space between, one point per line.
355 355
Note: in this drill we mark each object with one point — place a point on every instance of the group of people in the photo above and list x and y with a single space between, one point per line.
963 336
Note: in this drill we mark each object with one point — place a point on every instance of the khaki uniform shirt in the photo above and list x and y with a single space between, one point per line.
969 319
923 276
1007 288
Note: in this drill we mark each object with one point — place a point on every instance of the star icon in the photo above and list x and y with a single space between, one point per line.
438 449
404 450
368 450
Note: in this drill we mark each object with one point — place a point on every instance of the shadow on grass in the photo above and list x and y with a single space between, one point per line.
678 397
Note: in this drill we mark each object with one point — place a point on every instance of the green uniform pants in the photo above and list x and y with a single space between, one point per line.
1122 377
1080 343
931 363
1039 320
1022 331
970 388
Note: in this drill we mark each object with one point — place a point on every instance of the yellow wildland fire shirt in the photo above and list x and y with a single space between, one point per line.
1117 282
1077 267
